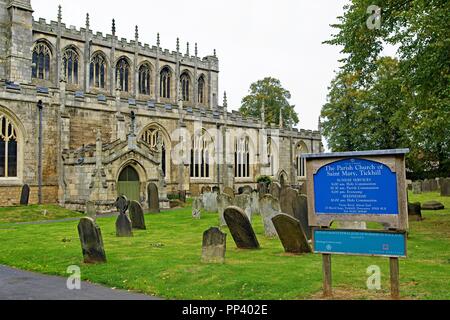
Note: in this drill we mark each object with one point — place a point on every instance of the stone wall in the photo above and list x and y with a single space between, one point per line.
10 195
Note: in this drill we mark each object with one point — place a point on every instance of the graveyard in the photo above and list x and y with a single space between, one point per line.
165 258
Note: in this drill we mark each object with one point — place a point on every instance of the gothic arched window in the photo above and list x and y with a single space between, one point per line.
144 79
164 85
242 158
300 161
200 155
8 148
151 137
71 63
201 90
270 157
97 74
123 74
185 84
41 62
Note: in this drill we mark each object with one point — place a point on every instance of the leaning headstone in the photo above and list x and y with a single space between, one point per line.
415 212
214 246
91 210
417 187
228 191
296 205
209 201
291 234
433 205
153 198
91 241
25 195
137 216
223 201
445 187
270 207
275 189
240 228
244 201
196 208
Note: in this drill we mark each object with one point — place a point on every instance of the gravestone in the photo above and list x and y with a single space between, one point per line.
270 207
426 186
216 190
445 187
153 198
296 205
122 204
124 227
303 189
91 241
434 185
244 201
196 208
91 210
214 246
417 187
433 205
245 190
291 234
255 203
275 189
415 211
262 189
223 201
209 201
240 228
25 195
137 216
228 191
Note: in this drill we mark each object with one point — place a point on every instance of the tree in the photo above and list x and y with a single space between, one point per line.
420 84
275 98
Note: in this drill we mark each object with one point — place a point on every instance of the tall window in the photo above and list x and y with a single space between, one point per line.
144 79
185 84
8 148
97 74
123 74
300 160
41 62
200 154
270 157
242 158
151 137
201 90
71 63
164 85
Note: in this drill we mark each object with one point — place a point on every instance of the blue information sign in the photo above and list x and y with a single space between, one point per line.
359 243
355 186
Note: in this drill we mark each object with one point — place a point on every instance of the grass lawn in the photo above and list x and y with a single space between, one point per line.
35 213
165 260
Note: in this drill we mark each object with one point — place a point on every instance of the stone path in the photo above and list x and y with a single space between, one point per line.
23 285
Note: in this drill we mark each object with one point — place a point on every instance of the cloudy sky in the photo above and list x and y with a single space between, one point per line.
253 38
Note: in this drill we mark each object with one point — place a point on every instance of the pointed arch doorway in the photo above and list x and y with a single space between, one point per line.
129 184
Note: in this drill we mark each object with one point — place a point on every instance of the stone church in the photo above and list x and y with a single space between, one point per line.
87 117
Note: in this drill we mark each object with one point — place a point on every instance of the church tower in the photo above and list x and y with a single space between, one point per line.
16 40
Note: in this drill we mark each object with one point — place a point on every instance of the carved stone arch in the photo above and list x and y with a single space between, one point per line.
283 177
20 137
50 46
102 54
137 188
136 165
167 145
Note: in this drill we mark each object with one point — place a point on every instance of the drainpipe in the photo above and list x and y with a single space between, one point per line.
39 106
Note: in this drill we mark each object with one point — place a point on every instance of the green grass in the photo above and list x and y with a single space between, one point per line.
165 260
35 213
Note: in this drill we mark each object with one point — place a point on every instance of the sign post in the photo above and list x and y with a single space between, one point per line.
365 186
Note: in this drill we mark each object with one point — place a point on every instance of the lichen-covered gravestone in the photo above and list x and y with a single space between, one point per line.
91 210
291 234
137 216
275 189
417 187
91 241
244 201
296 205
214 246
240 228
228 191
153 198
124 227
196 208
223 201
269 207
209 201
255 203
426 186
25 195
